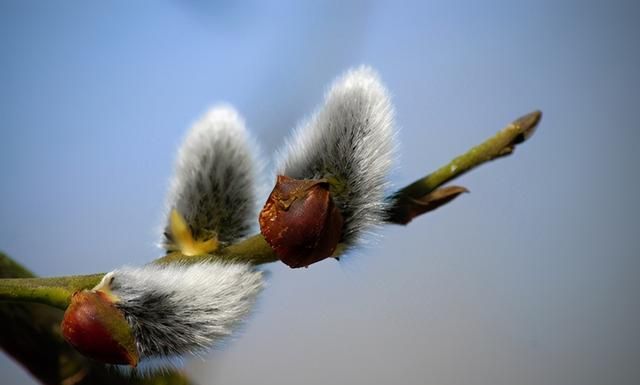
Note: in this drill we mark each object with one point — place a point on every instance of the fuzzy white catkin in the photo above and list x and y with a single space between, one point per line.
178 309
350 141
214 183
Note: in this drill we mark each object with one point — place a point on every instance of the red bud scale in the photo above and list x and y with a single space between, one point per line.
98 329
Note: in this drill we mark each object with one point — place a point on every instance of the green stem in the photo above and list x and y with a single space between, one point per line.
254 250
501 144
51 291
57 291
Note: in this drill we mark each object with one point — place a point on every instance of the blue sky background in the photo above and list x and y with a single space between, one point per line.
530 279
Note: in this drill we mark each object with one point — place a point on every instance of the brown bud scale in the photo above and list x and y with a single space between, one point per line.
300 221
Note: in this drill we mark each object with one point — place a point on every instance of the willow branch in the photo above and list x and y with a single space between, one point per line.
51 291
421 196
503 143
410 201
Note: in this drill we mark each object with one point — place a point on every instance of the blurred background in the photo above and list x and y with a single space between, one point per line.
530 279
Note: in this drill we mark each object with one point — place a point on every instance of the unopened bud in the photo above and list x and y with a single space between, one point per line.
300 221
97 328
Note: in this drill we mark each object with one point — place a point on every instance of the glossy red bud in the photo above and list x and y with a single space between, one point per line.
300 221
97 328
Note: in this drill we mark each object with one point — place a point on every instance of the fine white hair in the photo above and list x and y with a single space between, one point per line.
215 177
350 141
179 309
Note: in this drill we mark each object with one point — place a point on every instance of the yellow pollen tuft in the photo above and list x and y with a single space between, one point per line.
183 237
